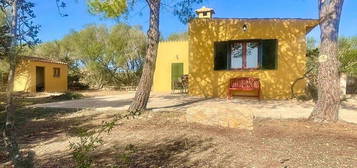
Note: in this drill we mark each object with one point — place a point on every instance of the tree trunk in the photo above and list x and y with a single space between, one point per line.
328 103
142 94
9 131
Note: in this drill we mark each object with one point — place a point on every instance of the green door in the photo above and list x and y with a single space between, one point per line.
176 72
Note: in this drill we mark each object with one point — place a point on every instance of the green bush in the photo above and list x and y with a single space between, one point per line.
68 96
89 141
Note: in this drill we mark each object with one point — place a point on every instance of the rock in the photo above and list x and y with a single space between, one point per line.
221 114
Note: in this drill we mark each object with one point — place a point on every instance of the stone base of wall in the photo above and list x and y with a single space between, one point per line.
219 114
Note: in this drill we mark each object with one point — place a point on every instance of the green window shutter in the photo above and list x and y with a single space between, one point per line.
220 57
176 72
269 54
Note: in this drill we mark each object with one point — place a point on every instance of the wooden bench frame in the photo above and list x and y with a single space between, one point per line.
244 84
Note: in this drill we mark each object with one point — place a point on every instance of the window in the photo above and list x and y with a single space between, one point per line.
3 78
205 13
56 72
254 54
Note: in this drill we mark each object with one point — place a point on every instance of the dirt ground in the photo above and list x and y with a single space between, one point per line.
22 99
275 109
161 139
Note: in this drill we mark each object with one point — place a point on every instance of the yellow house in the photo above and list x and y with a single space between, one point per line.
171 63
35 74
273 50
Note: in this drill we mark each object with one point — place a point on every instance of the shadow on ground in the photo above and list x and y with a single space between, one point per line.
167 153
39 125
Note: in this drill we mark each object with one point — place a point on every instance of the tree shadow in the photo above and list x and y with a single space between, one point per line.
350 104
96 102
182 105
166 153
44 125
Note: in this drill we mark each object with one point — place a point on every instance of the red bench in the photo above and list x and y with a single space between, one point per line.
244 84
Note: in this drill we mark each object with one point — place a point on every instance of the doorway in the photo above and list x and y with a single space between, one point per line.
40 79
176 73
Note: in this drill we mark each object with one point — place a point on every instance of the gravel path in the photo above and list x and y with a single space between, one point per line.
276 109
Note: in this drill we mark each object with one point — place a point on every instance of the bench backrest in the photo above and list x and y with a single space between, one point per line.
244 83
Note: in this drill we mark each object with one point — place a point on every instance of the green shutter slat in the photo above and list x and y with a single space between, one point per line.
220 57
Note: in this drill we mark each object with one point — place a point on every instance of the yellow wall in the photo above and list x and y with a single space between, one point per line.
25 77
169 52
204 81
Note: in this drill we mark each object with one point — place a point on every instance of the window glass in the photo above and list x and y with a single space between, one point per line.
252 54
237 56
260 54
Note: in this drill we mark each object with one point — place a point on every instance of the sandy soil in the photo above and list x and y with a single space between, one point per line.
160 139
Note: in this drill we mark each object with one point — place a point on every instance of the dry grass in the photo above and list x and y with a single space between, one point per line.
160 139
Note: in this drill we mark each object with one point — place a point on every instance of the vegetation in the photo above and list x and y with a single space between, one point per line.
116 8
99 56
20 31
347 56
67 96
4 36
347 49
178 36
4 45
91 140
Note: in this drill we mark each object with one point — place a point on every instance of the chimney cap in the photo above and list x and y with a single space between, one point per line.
205 9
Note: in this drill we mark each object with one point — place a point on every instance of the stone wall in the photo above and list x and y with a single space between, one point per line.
224 115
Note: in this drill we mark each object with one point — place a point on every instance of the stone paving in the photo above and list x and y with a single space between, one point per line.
276 109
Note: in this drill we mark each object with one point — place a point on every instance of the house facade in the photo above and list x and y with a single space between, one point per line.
171 63
273 50
40 75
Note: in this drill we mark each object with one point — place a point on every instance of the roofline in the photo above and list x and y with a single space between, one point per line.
309 26
302 19
45 60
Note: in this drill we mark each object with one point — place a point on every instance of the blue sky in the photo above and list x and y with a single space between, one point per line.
54 27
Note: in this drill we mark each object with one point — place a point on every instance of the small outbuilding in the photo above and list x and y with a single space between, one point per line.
34 74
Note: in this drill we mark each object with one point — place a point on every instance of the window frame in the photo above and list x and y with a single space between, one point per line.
56 75
244 54
244 57
4 78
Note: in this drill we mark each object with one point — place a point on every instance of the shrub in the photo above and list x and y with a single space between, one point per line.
89 141
68 96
